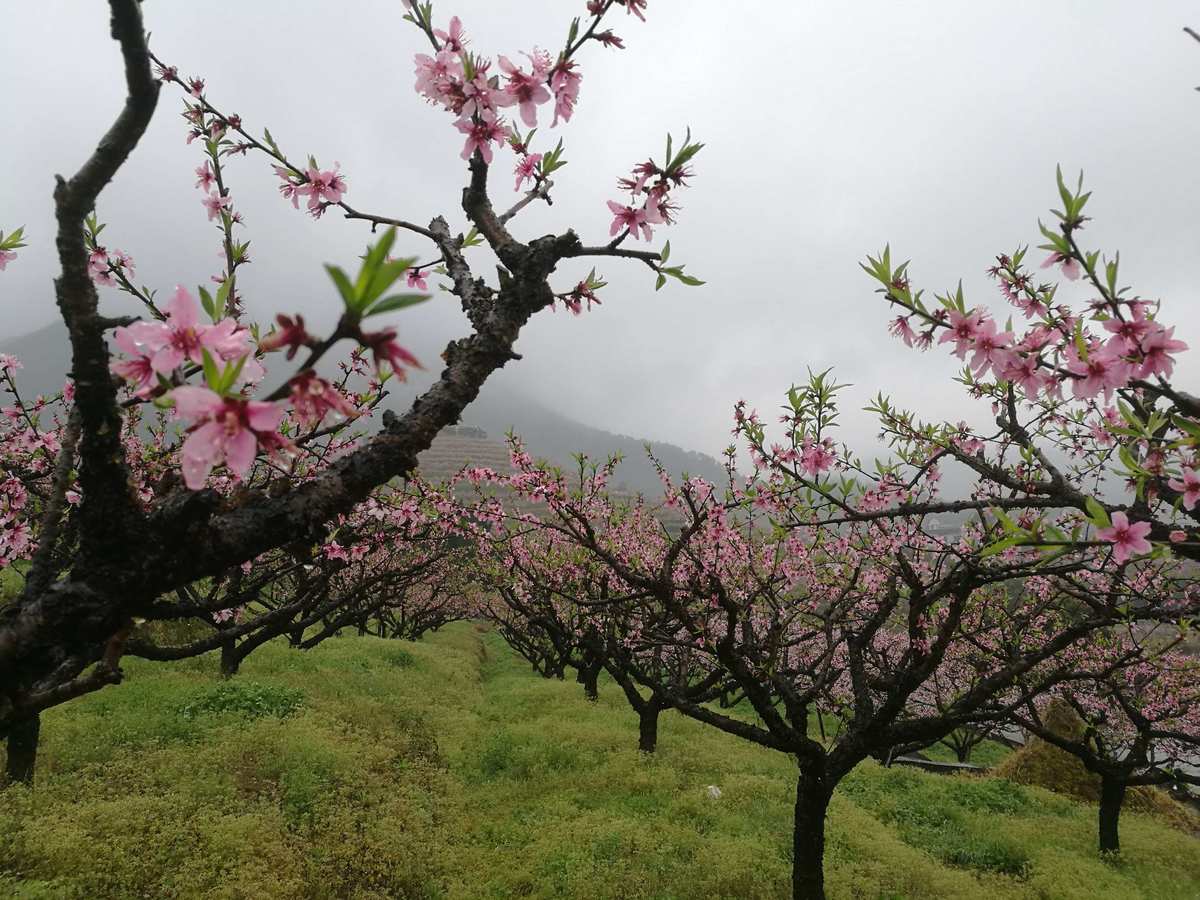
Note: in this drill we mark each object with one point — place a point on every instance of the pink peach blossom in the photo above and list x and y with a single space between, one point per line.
626 217
225 430
1070 267
482 131
1128 539
527 169
1189 487
215 204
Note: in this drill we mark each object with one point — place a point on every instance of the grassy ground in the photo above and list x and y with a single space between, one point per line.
445 769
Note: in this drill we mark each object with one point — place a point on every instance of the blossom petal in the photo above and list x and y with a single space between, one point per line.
264 416
240 449
183 309
196 403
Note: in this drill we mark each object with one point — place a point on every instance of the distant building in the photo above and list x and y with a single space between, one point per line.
942 526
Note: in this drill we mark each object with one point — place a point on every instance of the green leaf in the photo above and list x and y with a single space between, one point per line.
397 301
1097 513
376 256
1080 343
229 375
1009 525
206 301
1063 190
13 241
221 299
1187 425
385 276
345 288
666 252
211 376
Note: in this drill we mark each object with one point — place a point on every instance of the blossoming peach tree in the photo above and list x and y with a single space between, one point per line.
851 620
169 466
557 608
819 584
1137 697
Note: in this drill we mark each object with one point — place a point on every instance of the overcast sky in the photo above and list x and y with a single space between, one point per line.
831 128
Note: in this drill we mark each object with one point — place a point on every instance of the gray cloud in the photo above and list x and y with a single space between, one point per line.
831 129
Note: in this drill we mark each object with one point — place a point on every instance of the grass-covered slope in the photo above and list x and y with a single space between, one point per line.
375 769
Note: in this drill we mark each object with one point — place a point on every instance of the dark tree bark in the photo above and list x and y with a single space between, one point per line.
22 750
963 742
648 726
589 676
808 837
1112 796
231 659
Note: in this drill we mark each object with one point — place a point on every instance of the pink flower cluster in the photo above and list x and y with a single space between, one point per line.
101 265
650 204
322 187
1138 348
462 84
159 348
15 540
9 245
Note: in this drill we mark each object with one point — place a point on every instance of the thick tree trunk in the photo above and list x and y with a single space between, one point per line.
808 837
1112 795
590 676
22 750
648 726
231 659
962 749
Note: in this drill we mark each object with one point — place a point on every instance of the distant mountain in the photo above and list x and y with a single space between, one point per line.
547 434
45 355
556 437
